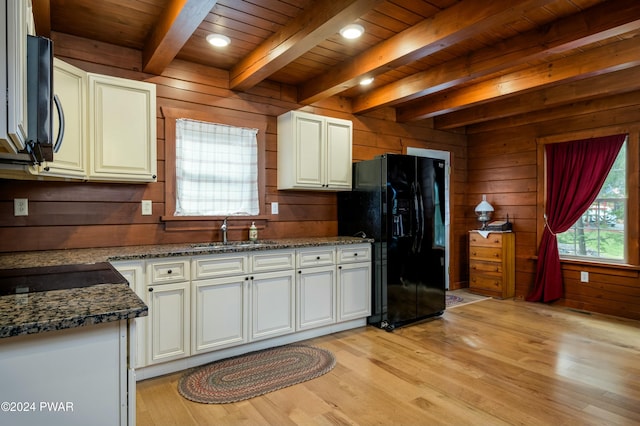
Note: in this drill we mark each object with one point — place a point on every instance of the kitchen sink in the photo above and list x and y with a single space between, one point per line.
231 245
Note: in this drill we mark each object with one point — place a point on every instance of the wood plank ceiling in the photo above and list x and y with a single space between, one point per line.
462 63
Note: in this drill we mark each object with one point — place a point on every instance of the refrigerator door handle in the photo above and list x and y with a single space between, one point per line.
420 236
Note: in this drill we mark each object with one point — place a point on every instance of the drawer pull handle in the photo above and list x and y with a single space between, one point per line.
169 271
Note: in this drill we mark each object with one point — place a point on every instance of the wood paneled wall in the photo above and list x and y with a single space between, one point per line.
81 215
505 166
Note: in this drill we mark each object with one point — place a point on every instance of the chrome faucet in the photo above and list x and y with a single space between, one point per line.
224 230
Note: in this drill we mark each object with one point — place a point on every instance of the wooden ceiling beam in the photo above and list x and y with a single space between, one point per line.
597 23
538 106
314 25
612 57
446 28
174 27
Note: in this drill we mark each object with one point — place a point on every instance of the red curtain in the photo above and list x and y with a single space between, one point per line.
576 172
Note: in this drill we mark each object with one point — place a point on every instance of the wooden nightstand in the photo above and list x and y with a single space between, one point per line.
492 264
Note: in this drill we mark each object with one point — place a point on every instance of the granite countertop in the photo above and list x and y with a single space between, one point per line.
43 311
112 254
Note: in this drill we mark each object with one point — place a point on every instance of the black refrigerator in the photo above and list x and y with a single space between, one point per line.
398 200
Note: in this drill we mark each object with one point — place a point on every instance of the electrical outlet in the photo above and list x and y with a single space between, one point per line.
584 276
147 208
274 208
21 207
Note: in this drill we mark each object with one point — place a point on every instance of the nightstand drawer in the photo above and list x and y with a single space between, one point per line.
485 282
490 268
492 240
486 253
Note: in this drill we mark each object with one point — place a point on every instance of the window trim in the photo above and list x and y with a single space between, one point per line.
222 116
633 187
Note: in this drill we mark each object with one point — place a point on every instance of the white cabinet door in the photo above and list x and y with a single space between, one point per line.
122 128
354 291
338 164
272 304
220 313
169 321
70 84
315 295
133 272
310 151
314 152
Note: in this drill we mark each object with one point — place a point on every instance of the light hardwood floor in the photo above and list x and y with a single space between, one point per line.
495 362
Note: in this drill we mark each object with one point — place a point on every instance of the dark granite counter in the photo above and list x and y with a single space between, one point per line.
58 309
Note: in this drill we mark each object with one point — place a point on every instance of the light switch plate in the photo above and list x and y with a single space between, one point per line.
584 276
147 208
274 208
21 207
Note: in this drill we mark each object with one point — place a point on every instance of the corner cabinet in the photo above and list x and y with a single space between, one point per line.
492 264
314 152
110 128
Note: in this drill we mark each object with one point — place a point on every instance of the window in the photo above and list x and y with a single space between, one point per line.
600 231
216 169
209 115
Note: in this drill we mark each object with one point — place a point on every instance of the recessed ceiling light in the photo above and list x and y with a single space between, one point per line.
218 40
366 81
352 31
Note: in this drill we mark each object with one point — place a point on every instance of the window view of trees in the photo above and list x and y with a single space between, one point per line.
600 232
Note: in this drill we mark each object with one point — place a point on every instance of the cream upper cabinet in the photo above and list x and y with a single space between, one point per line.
110 128
122 129
314 152
70 85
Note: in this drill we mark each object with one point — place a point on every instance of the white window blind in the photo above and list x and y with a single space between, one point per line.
216 169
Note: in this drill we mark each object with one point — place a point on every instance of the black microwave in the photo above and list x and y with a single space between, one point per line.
40 102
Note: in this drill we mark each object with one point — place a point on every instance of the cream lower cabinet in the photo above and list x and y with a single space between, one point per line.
169 328
354 281
315 288
272 304
168 298
133 272
219 313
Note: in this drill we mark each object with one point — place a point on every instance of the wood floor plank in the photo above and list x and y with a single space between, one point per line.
498 362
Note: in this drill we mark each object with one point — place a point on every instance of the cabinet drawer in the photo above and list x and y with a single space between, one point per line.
354 253
220 265
276 260
168 271
492 240
488 268
486 282
315 257
486 253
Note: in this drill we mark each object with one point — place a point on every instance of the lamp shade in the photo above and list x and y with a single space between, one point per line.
484 205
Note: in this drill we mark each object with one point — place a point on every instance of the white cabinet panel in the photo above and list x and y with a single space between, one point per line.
354 291
133 272
315 295
122 128
220 313
272 304
220 265
169 313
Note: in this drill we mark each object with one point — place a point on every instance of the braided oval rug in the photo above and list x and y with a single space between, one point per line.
253 374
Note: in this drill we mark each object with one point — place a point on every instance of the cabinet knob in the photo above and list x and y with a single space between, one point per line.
169 271
154 177
339 267
299 271
318 258
246 278
355 254
150 289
